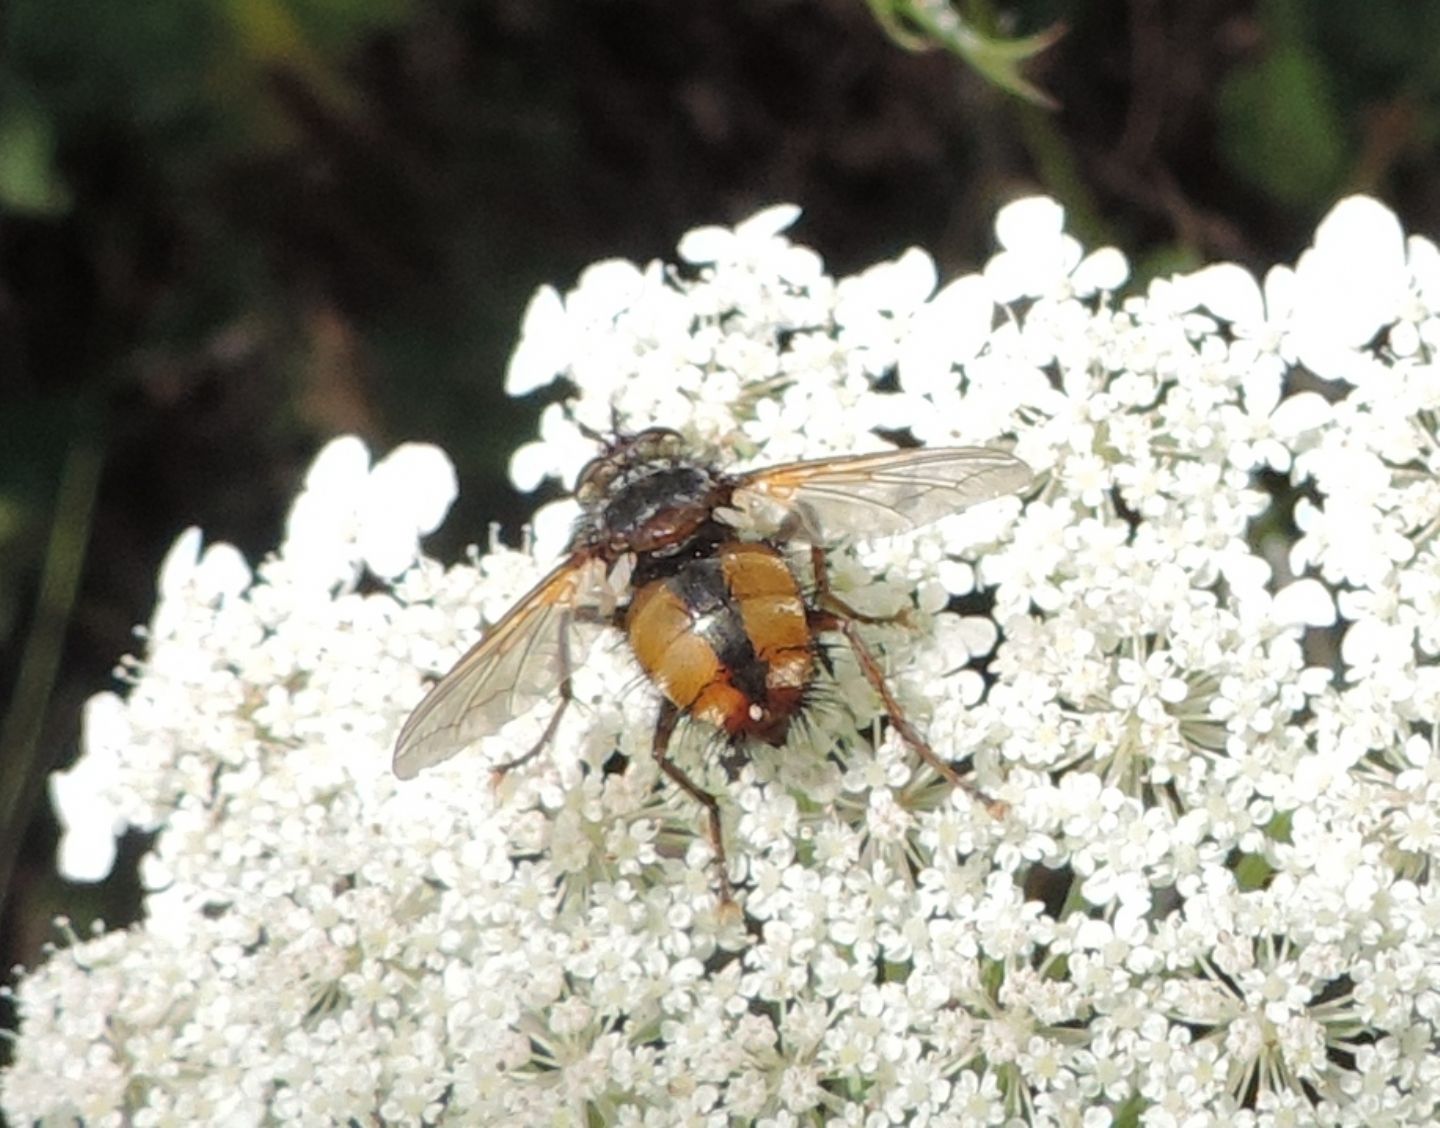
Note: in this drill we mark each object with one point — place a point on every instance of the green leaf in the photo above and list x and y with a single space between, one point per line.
1253 872
1280 129
29 182
923 25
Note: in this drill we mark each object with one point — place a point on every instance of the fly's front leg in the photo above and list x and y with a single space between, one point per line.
566 687
567 695
664 729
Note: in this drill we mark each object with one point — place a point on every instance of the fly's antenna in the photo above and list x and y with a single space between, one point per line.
608 443
590 433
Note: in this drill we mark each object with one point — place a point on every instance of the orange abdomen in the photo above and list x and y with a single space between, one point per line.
726 639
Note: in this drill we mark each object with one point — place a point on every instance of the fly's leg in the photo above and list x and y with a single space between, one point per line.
567 695
831 602
664 729
870 667
834 614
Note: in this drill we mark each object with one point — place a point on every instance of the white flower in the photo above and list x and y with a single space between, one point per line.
1352 283
1196 885
349 513
1040 260
89 820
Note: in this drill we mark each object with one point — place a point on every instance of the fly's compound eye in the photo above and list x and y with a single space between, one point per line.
599 475
595 480
659 444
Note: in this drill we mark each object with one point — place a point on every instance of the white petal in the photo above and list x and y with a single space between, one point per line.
1370 642
177 573
550 527
388 550
1353 281
105 727
409 492
421 477
323 523
337 476
1280 292
86 851
1106 269
912 278
605 289
1228 291
869 303
89 820
1261 387
1363 230
1094 934
1305 603
706 245
1037 254
978 633
949 329
222 574
1424 258
1035 221
769 222
543 351
1297 414
179 563
530 465
1246 571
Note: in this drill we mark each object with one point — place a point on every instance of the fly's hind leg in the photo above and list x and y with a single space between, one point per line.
664 729
829 601
834 614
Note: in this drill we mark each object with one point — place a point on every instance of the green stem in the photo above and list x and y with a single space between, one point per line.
40 660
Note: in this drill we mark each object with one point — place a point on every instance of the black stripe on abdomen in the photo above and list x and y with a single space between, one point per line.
701 587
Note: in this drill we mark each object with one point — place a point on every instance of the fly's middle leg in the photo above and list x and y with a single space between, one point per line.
664 729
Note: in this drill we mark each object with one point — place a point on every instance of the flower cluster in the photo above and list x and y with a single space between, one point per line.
1197 669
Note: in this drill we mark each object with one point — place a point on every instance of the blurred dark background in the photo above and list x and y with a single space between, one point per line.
231 229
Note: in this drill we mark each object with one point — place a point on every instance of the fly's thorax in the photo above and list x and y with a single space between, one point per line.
653 508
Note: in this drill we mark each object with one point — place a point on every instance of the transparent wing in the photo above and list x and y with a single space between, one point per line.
518 663
873 495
